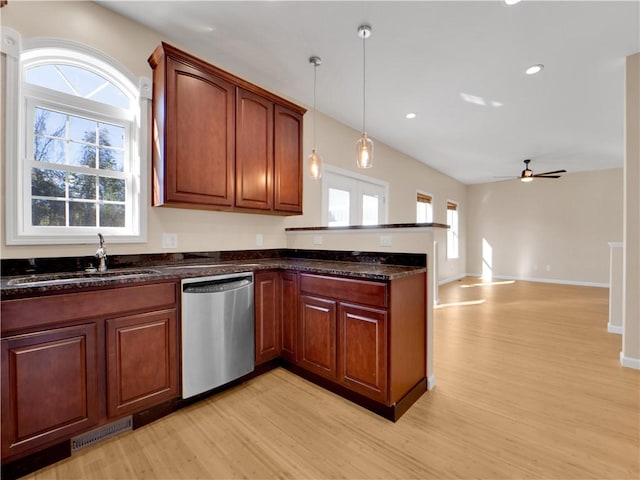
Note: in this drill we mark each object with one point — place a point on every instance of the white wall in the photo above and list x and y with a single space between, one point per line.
336 144
131 44
630 354
564 224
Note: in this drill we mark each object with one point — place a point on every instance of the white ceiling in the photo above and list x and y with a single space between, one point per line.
423 57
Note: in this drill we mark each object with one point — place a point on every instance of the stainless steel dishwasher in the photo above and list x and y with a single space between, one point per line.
217 331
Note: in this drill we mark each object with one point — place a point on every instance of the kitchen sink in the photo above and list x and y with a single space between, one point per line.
214 265
77 277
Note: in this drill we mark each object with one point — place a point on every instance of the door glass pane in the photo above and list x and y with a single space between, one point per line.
338 207
370 207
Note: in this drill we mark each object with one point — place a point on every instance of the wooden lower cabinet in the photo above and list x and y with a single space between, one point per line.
75 361
289 316
49 387
267 314
142 361
318 335
362 359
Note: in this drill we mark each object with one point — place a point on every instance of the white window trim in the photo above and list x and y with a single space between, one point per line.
16 232
355 176
422 192
449 255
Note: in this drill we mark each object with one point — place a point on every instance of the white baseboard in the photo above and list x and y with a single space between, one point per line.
614 328
431 382
452 279
629 362
544 280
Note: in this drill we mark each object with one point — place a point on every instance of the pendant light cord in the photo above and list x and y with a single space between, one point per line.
364 77
315 68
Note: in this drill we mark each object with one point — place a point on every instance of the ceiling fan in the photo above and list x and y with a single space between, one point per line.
527 174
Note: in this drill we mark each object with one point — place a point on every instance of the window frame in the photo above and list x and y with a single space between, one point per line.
23 98
429 210
453 232
358 184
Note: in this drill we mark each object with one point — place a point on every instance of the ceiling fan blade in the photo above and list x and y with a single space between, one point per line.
550 173
547 176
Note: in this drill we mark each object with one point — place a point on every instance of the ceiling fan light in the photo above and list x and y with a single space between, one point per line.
526 179
364 152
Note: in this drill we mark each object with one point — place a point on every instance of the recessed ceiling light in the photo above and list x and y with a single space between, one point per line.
410 115
511 2
533 69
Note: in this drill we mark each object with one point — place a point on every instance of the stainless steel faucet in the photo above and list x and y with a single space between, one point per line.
101 253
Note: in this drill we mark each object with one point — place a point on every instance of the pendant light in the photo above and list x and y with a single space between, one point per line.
315 162
364 145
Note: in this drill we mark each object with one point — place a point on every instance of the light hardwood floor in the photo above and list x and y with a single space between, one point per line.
528 386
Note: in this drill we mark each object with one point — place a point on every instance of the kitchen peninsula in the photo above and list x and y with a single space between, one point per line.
353 322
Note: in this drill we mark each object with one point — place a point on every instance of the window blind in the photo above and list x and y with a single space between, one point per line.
422 198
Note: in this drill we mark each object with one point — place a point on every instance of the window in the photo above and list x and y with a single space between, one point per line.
424 209
77 166
352 199
452 231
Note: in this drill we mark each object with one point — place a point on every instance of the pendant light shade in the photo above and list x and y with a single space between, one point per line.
364 150
364 145
315 162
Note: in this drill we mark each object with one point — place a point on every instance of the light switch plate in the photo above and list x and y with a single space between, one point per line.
259 239
169 240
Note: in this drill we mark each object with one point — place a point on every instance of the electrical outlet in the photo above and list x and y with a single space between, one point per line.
259 239
385 241
169 240
548 268
317 240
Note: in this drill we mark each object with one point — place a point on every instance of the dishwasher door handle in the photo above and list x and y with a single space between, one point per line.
216 286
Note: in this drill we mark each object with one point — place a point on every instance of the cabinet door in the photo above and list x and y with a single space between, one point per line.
287 177
362 356
49 387
318 335
199 150
142 361
289 316
267 302
254 151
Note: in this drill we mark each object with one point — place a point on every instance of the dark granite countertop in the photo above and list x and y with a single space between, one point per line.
368 227
361 265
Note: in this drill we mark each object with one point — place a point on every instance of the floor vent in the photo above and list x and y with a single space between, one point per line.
100 434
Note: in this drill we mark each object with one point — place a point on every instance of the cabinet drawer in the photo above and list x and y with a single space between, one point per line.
358 291
27 313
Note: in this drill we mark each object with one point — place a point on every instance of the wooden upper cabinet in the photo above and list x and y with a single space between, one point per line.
254 151
287 175
194 141
220 142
